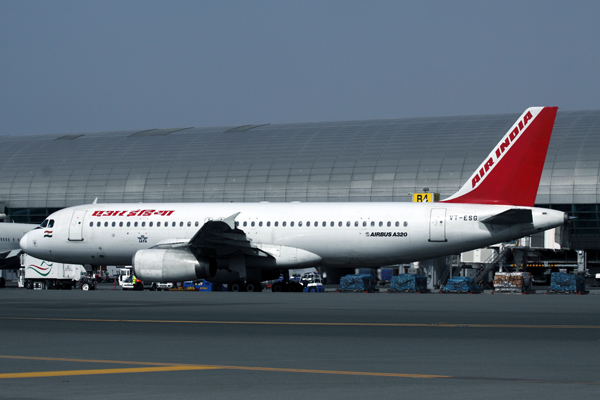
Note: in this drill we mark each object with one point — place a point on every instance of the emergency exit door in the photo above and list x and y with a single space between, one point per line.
437 225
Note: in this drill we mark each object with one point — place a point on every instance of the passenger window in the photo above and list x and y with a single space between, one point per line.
340 223
364 223
143 223
121 224
150 224
276 223
355 223
236 223
332 223
114 224
292 223
405 223
372 223
397 224
106 224
91 224
245 223
252 223
307 223
380 223
389 223
189 223
128 224
324 223
135 224
260 223
158 224
174 224
181 224
299 223
268 223
283 223
348 223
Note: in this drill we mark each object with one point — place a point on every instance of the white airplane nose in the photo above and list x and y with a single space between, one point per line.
23 243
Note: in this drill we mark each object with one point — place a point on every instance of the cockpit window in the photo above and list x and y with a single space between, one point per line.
50 223
44 224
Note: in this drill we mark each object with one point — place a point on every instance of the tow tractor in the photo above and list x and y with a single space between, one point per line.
312 282
307 282
126 280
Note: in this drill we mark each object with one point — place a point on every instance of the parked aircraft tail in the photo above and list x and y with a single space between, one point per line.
510 174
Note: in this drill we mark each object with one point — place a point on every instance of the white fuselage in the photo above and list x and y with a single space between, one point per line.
340 234
11 234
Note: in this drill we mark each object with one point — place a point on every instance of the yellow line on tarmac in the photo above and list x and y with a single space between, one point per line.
165 367
46 374
321 371
398 325
90 361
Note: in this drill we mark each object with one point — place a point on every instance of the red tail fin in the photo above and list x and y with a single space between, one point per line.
510 174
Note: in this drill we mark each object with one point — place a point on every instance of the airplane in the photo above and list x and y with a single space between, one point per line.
242 244
10 235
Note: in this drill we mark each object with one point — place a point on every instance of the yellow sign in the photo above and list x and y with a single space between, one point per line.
425 197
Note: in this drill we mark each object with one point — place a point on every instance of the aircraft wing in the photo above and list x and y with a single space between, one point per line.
510 217
9 259
221 238
10 253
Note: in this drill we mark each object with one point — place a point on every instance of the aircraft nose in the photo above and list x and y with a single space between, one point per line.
23 243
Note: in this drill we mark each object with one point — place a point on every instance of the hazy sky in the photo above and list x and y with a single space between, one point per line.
80 66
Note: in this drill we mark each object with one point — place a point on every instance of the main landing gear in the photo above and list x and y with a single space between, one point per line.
245 286
286 286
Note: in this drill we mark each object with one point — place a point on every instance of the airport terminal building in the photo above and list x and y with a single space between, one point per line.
349 161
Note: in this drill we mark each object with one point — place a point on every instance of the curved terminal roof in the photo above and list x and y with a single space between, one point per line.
375 160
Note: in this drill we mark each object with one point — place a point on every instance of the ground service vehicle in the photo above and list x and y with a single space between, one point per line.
41 274
126 280
312 282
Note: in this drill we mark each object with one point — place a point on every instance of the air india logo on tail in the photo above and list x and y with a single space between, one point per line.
502 148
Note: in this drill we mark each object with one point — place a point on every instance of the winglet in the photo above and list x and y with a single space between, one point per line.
510 174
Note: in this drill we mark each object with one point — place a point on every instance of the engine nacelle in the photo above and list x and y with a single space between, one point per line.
171 265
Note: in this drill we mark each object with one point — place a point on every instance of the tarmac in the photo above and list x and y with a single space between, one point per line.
133 345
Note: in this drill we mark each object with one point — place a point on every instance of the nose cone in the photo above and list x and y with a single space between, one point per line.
23 243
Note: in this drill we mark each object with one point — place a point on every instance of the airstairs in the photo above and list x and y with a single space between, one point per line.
495 259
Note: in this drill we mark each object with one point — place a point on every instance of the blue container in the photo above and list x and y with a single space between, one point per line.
387 274
414 282
357 282
561 282
462 284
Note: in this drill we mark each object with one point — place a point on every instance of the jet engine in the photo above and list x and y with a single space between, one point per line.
172 265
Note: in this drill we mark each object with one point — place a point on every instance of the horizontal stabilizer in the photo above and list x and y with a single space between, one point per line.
510 217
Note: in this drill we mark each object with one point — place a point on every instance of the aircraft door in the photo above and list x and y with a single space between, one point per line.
437 225
76 226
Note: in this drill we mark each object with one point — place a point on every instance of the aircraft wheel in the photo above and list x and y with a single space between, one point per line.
277 287
236 287
252 286
85 286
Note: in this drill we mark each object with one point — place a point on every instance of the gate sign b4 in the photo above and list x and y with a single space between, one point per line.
425 197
